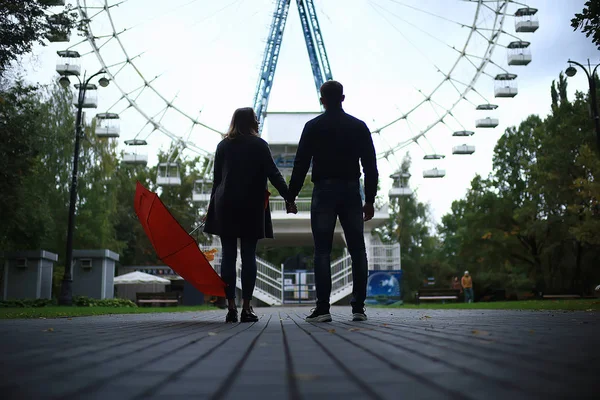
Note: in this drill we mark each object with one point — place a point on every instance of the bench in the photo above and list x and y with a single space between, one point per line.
159 298
437 294
560 296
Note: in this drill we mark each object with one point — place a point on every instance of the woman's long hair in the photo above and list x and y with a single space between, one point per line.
243 122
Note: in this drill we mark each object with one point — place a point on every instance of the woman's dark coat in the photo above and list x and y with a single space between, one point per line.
237 204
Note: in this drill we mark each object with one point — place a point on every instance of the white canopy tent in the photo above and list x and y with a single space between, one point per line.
134 282
138 277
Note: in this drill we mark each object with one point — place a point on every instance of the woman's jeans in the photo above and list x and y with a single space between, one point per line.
228 261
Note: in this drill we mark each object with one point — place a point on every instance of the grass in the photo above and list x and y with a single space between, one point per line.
64 311
568 305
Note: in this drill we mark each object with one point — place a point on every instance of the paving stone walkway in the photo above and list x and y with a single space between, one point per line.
397 354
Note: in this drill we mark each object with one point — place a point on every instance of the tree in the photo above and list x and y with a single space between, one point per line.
535 221
588 21
26 22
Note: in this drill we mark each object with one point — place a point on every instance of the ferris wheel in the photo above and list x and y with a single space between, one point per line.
425 67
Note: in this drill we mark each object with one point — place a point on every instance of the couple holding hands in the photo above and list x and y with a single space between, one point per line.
335 142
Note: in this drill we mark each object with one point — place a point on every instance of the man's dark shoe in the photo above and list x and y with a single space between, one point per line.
232 315
358 314
319 315
249 315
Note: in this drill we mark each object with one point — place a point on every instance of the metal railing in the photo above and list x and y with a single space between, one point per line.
269 281
384 257
268 277
275 287
279 205
341 272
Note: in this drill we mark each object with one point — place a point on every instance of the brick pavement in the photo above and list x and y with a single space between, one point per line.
397 354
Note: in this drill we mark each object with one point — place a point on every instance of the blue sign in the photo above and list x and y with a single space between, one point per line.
383 287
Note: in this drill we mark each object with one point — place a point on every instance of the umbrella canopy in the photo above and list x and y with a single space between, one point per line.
138 277
173 245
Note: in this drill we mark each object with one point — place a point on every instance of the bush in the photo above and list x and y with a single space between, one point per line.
83 301
27 303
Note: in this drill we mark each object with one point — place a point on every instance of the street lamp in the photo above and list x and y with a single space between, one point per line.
591 75
66 290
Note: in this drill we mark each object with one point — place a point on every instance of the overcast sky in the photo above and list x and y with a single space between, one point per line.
385 52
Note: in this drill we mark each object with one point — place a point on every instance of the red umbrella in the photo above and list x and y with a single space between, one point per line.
173 245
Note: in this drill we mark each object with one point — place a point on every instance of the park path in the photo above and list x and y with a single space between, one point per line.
397 354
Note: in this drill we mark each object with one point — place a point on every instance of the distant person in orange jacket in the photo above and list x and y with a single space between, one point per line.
467 284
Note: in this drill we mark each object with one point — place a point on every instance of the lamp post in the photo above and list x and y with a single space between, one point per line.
66 289
591 75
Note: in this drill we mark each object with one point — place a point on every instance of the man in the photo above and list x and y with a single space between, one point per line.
467 284
335 142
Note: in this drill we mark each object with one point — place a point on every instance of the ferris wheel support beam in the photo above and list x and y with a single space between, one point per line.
314 45
324 60
310 44
269 63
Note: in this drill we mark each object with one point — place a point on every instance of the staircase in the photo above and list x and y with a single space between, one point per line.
269 278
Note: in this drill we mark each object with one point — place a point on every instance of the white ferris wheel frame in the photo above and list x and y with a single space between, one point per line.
496 32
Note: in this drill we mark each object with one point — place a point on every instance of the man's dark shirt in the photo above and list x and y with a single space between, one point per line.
335 142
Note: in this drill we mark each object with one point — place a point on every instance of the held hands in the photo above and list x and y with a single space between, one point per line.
368 211
291 208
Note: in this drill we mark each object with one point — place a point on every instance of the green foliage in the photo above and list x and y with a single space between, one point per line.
588 21
25 22
27 303
83 301
535 221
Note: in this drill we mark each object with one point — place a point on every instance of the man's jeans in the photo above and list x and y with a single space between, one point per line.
228 263
332 199
469 295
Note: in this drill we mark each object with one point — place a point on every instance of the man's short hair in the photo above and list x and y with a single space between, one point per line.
332 92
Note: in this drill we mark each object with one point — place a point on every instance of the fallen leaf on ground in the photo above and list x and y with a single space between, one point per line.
482 333
49 330
531 331
354 329
212 333
487 341
305 377
70 319
331 330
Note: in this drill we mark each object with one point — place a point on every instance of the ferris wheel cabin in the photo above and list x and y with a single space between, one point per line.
400 185
505 85
69 63
486 107
433 156
434 173
108 125
168 174
519 53
463 133
463 149
526 20
202 191
90 99
486 123
134 157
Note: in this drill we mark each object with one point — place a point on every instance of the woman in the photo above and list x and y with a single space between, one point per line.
237 209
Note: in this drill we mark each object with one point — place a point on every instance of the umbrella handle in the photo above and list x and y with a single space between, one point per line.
198 227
